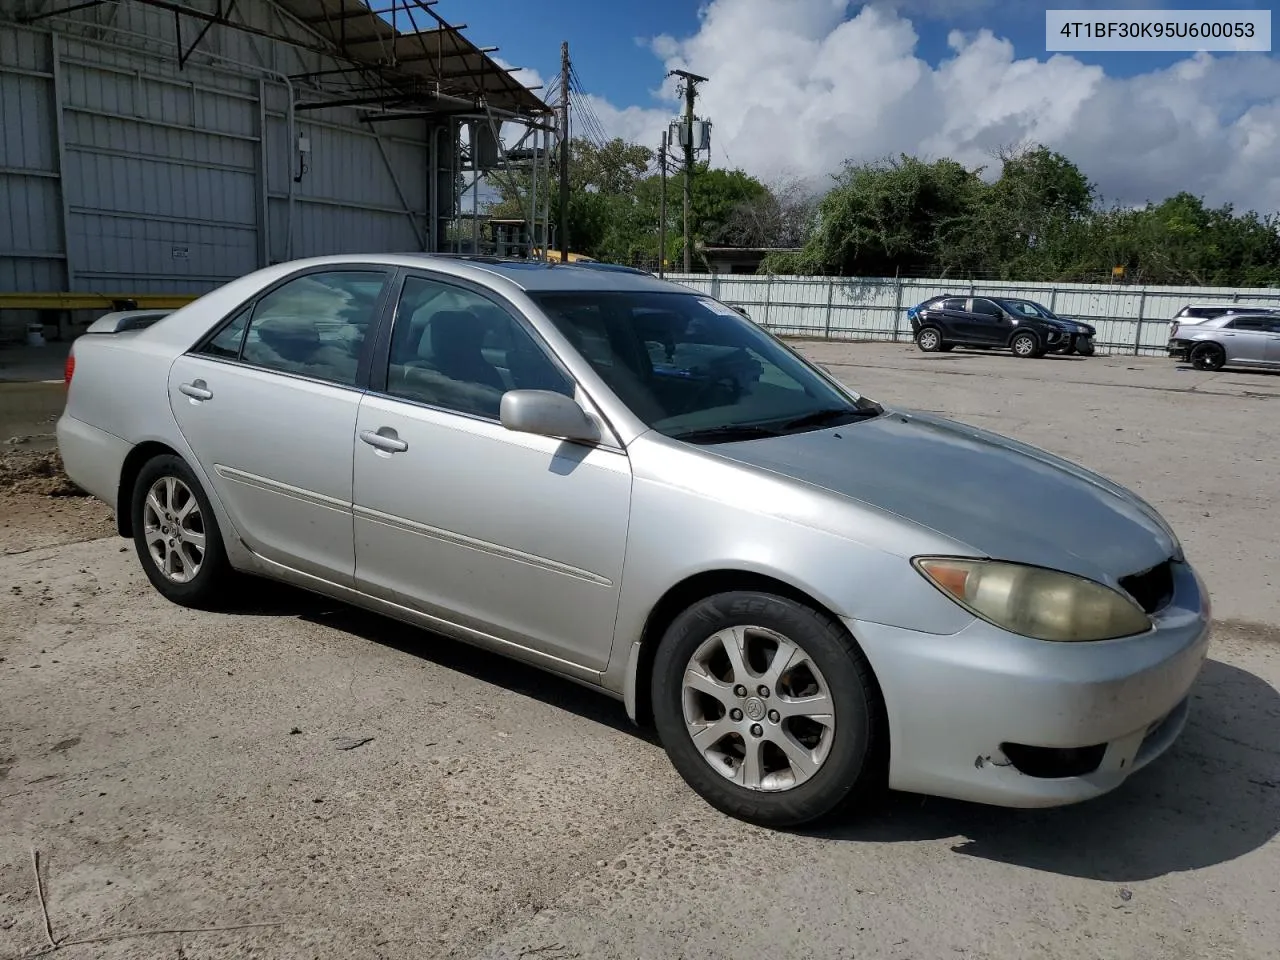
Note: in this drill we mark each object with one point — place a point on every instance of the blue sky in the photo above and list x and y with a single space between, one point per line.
608 38
800 87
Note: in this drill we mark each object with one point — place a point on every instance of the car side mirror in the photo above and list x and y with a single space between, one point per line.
547 414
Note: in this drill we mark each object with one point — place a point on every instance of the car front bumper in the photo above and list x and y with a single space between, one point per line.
955 701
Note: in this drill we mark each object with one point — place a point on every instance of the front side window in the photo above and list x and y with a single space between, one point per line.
694 369
458 350
314 325
986 308
1026 308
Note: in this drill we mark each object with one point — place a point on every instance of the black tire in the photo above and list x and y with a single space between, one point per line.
206 589
1026 345
929 339
1208 356
1085 348
856 758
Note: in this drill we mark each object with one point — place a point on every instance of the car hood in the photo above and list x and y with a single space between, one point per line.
1002 498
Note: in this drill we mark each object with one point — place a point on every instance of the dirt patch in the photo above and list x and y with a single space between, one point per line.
35 471
41 507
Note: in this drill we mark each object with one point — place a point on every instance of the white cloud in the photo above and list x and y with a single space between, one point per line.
800 86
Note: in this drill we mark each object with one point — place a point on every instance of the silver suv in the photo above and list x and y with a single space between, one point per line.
1239 339
1194 313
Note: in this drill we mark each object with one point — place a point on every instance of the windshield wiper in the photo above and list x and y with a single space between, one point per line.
725 434
832 416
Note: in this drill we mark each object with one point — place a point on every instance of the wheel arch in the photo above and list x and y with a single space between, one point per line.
137 458
679 598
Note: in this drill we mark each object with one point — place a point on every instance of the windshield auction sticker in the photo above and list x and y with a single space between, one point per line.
1153 30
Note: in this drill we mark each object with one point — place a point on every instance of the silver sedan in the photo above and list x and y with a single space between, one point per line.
626 483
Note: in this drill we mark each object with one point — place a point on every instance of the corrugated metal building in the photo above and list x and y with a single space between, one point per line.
155 147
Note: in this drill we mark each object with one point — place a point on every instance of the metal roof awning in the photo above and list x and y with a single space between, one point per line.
418 57
397 54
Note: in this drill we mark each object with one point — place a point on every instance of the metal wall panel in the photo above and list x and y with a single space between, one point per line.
163 168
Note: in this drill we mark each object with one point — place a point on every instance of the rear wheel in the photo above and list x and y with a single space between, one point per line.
929 339
176 534
1025 345
1208 356
768 709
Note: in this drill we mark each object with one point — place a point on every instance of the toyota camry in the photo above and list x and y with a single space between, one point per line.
632 485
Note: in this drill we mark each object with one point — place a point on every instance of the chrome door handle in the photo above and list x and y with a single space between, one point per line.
197 390
392 444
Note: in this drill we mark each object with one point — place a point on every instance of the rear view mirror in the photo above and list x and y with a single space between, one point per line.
547 414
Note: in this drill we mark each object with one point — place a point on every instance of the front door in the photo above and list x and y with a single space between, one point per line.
268 404
518 536
1272 353
988 323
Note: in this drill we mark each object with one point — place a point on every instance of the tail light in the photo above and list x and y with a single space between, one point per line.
69 368
1174 334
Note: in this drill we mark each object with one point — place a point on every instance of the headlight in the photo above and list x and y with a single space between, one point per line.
1035 602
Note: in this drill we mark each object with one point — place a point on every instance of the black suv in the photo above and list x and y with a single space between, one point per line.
1022 326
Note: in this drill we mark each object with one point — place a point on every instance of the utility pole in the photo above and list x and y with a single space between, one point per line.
691 81
662 209
564 152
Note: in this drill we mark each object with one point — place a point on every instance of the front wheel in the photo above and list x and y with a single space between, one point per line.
1084 348
176 534
768 709
929 339
1025 345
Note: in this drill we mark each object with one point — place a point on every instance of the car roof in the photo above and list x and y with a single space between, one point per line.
532 276
1233 307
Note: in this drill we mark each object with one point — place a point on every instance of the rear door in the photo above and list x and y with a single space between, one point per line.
952 315
268 404
1246 339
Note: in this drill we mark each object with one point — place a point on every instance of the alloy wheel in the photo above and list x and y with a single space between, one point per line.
174 530
758 709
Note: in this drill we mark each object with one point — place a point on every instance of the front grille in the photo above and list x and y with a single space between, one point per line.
1152 589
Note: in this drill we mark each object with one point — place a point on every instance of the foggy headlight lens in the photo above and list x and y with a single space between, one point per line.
1035 602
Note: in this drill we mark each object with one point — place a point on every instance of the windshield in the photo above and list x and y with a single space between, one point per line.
1028 308
694 369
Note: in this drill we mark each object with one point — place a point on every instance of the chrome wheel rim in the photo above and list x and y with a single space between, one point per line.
758 709
928 339
173 529
1023 346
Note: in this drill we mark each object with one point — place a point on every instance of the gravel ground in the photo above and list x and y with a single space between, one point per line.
366 790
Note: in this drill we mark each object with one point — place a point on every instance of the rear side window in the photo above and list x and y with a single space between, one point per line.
314 325
1203 313
227 343
952 303
1250 323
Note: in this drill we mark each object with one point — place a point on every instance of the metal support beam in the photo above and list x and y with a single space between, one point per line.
395 182
264 207
59 11
183 55
60 132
